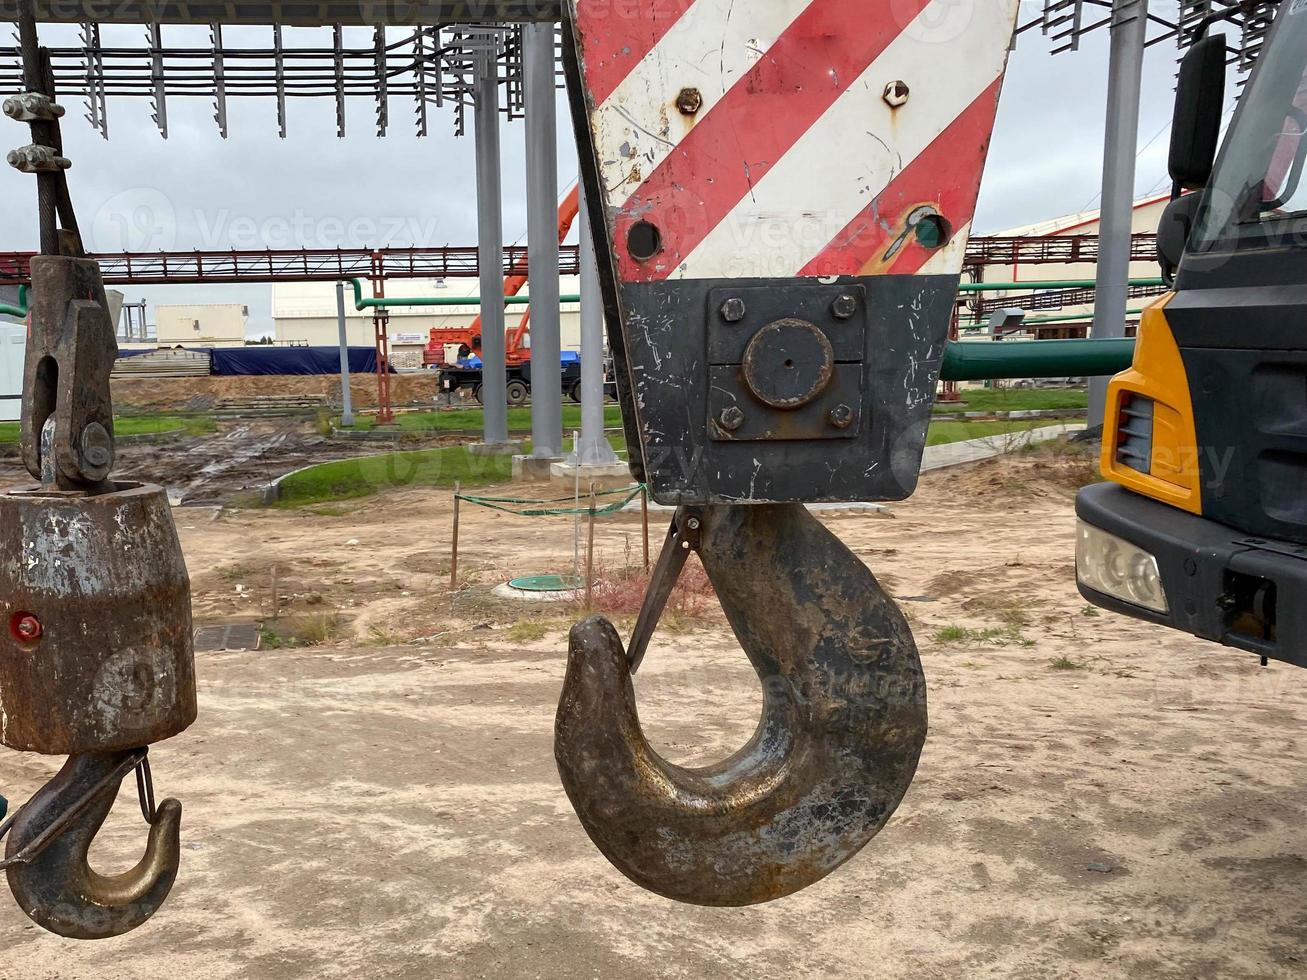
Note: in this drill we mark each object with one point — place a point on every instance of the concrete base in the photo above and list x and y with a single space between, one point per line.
510 448
533 469
605 476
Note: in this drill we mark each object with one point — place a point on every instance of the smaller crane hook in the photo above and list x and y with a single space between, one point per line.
843 718
46 856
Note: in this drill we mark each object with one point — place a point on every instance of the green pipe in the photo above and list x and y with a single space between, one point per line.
21 309
991 287
981 361
363 304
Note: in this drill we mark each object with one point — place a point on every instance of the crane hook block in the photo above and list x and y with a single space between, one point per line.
96 652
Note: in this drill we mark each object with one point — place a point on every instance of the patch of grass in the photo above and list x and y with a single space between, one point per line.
1090 611
621 591
527 631
1018 400
134 425
942 433
1066 663
301 631
472 420
999 636
379 636
352 478
269 639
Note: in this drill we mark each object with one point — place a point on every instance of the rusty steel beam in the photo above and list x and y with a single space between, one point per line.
1049 250
289 265
460 262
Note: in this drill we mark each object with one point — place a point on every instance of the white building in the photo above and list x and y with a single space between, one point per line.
13 345
305 313
213 325
1147 215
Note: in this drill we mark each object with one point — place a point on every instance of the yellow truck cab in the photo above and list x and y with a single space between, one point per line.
1203 525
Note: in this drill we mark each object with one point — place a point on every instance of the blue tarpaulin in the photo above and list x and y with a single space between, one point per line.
228 361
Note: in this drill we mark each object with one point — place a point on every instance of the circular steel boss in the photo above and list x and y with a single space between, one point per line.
788 363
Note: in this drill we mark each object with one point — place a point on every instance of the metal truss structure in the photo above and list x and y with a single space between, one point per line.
460 262
1066 22
291 265
1049 299
1047 250
426 67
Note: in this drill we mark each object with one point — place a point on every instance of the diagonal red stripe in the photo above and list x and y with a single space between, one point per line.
823 52
946 175
617 34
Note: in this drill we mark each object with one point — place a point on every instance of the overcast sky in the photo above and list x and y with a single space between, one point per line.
252 190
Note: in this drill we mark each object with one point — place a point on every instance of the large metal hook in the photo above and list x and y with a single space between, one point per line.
843 719
46 855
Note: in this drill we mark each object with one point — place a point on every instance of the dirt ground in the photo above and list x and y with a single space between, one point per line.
381 799
234 462
205 393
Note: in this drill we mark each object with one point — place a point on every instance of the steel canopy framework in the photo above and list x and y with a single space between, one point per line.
430 67
296 13
1066 22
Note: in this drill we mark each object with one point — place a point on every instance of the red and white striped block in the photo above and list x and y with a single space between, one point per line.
795 163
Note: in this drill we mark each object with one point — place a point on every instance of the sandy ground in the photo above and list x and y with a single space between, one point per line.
384 802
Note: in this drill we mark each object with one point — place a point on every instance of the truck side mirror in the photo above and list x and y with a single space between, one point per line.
1173 233
1199 102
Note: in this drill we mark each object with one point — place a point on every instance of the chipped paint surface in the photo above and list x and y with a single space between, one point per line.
843 724
794 163
792 172
104 575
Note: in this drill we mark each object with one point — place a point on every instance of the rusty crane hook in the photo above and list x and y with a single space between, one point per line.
46 856
843 719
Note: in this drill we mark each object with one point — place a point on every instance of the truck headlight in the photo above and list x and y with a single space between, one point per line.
1115 567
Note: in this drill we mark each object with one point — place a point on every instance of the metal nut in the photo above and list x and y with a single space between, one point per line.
32 107
733 310
896 93
845 305
689 101
841 416
97 447
731 418
37 159
26 628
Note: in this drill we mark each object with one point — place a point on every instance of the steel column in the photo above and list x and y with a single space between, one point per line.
347 403
594 446
490 249
1125 80
542 240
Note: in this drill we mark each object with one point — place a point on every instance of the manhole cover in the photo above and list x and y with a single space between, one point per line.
233 636
547 583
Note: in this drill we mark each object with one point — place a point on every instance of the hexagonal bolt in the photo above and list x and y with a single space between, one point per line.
37 160
845 305
896 93
733 310
731 418
32 107
841 416
689 101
